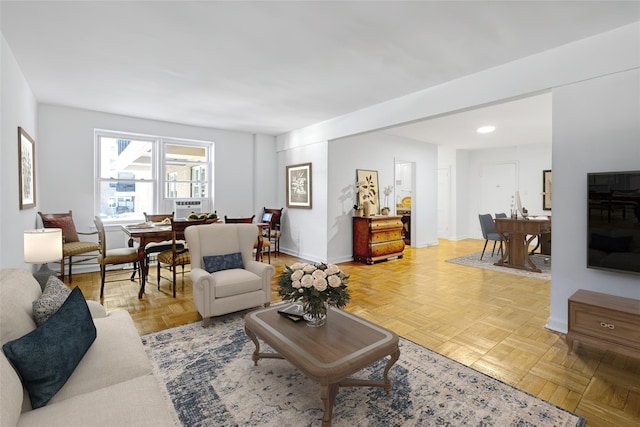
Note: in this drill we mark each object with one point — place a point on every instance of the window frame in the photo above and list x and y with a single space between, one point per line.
159 179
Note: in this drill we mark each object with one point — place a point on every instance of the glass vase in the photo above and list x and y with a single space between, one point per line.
315 315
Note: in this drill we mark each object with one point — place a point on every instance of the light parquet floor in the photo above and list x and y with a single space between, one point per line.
491 321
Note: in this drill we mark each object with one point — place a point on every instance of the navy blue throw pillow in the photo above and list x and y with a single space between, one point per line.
215 263
46 357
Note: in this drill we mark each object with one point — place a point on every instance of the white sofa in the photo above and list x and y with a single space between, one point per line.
111 386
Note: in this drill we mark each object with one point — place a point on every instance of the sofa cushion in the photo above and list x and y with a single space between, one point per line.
115 356
12 394
46 357
213 263
69 233
137 402
18 290
236 282
54 295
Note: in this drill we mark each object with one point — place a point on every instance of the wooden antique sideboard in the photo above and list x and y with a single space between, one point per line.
607 321
377 238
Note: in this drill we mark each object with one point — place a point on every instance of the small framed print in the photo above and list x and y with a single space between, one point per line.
367 188
26 169
299 186
546 190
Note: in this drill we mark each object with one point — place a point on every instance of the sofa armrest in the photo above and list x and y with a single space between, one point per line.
96 309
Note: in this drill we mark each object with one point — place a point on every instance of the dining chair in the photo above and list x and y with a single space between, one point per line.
71 243
178 254
261 244
489 233
115 256
274 231
152 249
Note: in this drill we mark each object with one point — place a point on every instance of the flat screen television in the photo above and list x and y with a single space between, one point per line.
614 221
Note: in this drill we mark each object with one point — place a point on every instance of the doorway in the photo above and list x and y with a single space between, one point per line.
404 200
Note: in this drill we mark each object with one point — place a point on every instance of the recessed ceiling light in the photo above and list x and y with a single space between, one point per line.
486 129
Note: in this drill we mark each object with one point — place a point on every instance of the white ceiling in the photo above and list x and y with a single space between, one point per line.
271 67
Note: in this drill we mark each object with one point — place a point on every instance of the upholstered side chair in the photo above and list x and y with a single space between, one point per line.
113 256
225 276
71 243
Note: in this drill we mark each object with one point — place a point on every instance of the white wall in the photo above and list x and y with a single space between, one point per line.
531 160
67 145
304 231
266 177
379 151
567 70
596 128
17 109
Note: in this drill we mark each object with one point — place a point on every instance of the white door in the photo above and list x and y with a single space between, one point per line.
498 188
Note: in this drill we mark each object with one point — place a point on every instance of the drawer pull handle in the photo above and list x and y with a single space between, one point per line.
607 325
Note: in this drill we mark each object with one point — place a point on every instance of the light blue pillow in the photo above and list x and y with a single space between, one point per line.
46 357
215 263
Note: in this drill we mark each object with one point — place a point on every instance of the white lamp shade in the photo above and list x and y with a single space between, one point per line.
43 245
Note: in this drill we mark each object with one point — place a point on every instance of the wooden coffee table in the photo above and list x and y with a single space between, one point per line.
329 354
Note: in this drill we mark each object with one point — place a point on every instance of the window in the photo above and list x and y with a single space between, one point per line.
143 173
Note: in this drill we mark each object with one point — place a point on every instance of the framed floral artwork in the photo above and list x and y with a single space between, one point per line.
26 169
299 186
368 190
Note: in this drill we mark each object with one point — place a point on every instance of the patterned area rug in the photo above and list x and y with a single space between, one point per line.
543 262
212 381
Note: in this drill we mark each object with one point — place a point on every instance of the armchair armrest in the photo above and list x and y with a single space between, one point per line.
202 279
260 268
86 233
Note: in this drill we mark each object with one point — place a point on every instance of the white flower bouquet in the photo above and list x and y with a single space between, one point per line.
316 286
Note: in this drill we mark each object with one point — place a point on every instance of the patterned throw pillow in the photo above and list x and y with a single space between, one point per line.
222 262
54 295
69 233
46 357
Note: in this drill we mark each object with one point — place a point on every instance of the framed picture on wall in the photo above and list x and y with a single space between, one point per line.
368 190
26 169
546 190
299 186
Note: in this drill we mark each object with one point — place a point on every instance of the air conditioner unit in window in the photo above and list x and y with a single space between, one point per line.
182 208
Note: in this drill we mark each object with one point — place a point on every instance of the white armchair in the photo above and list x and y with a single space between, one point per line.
229 287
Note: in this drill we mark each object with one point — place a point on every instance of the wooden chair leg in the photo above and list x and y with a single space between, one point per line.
174 280
103 272
133 273
70 265
158 272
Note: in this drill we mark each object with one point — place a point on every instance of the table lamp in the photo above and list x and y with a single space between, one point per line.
40 247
